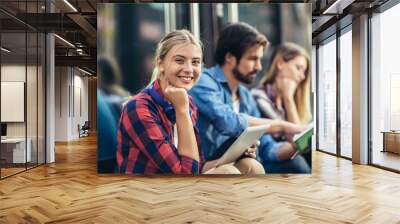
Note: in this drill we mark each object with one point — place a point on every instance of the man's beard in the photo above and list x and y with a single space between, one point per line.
245 78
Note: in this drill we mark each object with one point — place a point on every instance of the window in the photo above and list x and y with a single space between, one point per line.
385 86
327 96
182 16
21 62
346 94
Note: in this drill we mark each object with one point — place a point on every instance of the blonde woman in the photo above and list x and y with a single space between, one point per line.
284 93
157 129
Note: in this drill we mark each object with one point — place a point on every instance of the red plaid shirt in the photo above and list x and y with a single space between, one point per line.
145 136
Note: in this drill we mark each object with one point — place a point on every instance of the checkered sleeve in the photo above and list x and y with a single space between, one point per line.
145 129
123 145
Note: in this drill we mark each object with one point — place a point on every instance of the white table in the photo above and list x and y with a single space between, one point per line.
18 150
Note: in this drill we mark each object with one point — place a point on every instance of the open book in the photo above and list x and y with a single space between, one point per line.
303 139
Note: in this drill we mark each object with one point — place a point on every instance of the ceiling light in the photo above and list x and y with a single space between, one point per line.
65 41
5 50
331 7
84 71
70 5
338 6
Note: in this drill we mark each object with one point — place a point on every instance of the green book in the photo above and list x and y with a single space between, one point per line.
303 139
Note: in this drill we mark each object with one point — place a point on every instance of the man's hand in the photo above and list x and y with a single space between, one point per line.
252 151
285 128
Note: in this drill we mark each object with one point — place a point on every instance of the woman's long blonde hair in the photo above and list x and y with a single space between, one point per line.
168 42
287 52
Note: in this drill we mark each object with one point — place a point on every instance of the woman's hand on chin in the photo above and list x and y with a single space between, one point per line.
177 96
286 87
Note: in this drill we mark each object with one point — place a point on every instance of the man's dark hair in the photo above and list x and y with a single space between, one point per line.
236 38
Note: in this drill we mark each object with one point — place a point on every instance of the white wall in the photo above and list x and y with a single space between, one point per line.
81 100
71 94
61 103
14 73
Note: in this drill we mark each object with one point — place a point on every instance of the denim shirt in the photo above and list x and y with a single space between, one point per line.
217 122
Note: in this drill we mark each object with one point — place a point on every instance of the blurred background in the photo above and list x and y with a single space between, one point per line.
127 36
129 33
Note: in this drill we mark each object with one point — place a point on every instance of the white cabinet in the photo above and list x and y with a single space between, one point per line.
17 147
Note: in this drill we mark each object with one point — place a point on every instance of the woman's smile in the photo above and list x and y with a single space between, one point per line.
187 79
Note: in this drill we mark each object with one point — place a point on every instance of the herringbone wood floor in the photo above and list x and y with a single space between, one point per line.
70 191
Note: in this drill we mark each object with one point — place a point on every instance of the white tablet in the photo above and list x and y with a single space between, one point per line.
242 143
